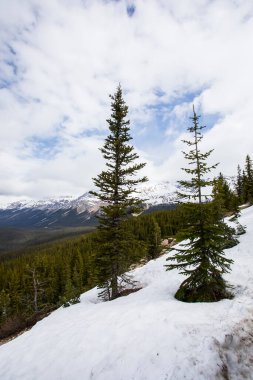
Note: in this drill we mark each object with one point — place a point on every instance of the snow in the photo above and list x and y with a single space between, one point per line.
154 194
158 193
146 335
43 204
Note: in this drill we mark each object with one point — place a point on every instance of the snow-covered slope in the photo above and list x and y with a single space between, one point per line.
147 335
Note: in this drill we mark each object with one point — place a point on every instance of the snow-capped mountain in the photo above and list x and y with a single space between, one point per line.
70 211
82 203
161 193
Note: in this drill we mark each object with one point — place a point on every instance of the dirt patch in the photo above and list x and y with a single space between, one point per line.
16 326
125 292
236 353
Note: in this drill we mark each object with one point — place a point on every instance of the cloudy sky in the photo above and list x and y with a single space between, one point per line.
60 59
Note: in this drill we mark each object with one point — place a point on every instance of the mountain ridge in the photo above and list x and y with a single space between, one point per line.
70 211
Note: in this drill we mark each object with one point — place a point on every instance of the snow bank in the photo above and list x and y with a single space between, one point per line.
147 335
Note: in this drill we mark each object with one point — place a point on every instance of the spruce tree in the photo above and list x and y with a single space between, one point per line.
248 180
239 185
201 257
77 268
225 198
154 240
117 190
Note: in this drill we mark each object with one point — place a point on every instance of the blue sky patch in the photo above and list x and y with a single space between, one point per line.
165 125
44 148
209 120
130 10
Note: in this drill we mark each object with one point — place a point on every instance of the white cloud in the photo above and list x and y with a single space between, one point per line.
61 59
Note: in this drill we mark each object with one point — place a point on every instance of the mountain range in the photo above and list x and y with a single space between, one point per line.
76 212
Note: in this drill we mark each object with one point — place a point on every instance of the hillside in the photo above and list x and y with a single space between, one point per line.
146 335
14 240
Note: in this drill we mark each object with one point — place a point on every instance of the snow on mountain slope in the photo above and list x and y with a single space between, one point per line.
147 335
154 194
49 204
163 192
69 211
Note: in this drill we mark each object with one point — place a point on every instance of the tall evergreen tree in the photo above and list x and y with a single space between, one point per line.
201 258
117 188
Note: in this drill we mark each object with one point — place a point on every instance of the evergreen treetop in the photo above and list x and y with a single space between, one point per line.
117 184
198 167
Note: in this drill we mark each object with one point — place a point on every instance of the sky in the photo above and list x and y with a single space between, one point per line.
60 60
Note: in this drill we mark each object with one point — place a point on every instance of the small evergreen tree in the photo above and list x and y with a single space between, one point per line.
226 199
248 180
117 186
201 258
245 192
4 305
78 271
239 185
70 294
154 246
